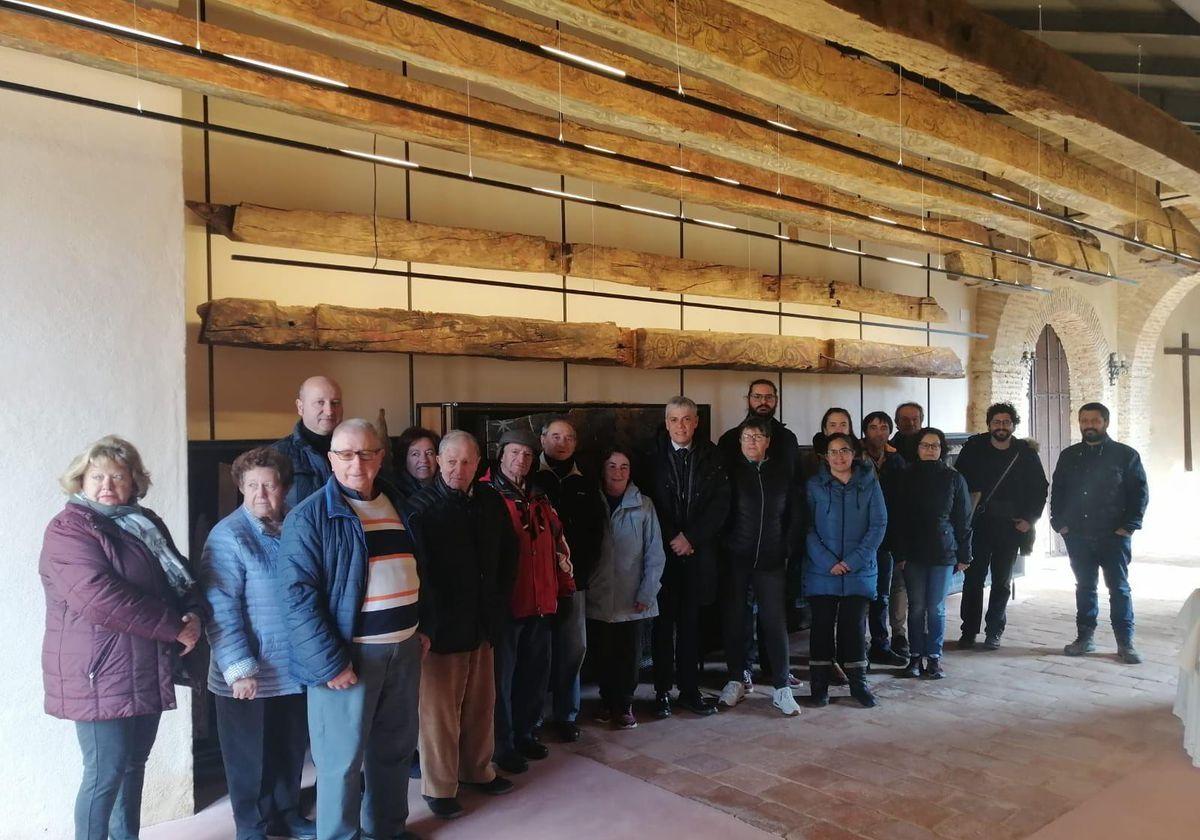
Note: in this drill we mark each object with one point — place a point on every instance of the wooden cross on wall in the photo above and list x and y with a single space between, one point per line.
1186 351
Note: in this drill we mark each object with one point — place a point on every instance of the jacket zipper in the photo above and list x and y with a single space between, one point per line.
762 505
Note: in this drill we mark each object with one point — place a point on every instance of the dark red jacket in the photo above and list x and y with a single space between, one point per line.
111 621
539 582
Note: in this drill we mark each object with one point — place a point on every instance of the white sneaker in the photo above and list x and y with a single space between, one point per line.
785 702
732 694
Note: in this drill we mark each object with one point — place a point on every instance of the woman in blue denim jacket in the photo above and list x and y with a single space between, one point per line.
261 717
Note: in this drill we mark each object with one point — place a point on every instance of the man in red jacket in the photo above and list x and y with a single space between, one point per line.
543 575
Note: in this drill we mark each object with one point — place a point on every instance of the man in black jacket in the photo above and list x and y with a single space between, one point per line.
763 534
762 401
1097 501
577 501
910 419
689 486
888 464
1007 477
466 558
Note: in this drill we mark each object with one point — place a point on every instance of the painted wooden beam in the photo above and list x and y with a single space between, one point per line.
264 324
978 54
397 239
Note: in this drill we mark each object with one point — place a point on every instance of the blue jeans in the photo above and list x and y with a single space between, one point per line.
927 586
1090 556
363 739
522 675
569 645
109 803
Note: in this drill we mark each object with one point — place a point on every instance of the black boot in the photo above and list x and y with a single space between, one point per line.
859 690
818 685
1083 642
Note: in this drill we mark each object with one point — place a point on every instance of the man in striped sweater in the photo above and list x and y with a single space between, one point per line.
351 595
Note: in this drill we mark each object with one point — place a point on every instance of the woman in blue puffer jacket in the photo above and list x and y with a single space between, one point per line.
261 716
847 521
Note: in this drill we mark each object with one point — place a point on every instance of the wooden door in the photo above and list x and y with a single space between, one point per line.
1050 403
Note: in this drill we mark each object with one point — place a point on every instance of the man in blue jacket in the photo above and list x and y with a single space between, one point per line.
351 593
1097 500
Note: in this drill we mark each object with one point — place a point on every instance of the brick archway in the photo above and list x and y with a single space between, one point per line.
1013 323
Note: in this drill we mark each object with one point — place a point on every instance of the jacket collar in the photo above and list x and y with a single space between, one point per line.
631 499
543 466
256 526
860 474
336 502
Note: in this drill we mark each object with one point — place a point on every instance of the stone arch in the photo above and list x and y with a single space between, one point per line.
1013 323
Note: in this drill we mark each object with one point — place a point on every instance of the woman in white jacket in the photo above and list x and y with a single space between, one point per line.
623 593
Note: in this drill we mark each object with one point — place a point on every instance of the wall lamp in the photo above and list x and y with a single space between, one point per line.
1118 366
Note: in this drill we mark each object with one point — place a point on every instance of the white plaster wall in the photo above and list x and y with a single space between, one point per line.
1171 525
91 268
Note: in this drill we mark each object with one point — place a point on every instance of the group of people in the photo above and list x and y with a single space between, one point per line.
376 610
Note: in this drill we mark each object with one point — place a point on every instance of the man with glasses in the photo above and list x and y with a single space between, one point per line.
319 404
351 595
1005 475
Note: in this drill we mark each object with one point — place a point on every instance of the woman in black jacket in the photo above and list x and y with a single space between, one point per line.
934 537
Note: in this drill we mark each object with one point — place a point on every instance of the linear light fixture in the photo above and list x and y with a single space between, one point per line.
636 209
729 181
291 71
1003 197
783 125
681 169
116 27
903 261
854 251
883 219
599 149
561 194
586 62
407 164
711 223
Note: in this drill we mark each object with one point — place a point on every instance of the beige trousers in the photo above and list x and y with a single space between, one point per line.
458 695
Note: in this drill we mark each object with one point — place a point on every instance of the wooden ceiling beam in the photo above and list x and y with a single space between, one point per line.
978 54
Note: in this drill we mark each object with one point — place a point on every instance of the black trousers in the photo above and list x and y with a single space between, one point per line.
769 589
995 548
675 637
616 648
522 661
843 617
262 745
877 613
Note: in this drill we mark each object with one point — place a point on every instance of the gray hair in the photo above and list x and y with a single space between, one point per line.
356 424
458 436
682 402
108 448
560 419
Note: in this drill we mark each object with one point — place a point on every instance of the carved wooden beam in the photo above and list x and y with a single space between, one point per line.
264 324
606 102
1053 247
251 87
986 265
723 42
977 54
397 239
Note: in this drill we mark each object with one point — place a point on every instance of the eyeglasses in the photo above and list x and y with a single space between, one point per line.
841 453
930 447
1004 424
753 437
361 454
763 398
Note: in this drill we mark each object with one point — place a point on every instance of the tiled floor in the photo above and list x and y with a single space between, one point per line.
1011 741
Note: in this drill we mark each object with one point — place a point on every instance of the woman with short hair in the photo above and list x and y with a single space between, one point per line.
121 607
261 715
934 542
416 456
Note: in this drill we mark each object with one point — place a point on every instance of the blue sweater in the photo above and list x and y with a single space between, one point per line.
239 579
846 522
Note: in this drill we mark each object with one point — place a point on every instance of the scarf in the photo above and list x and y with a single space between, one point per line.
132 519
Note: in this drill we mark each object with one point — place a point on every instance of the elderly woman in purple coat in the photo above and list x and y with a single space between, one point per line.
121 606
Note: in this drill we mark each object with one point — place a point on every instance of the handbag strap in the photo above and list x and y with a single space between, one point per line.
999 481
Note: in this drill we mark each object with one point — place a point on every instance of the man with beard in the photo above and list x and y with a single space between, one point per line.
319 404
762 400
888 464
1006 476
1098 498
910 419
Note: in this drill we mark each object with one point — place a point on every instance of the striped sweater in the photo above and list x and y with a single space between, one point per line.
389 608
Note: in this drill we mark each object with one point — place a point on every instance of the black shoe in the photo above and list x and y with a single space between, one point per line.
913 669
603 714
297 828
512 763
966 642
662 705
933 671
991 641
900 646
566 731
532 749
444 807
697 705
838 676
887 656
818 685
859 689
496 787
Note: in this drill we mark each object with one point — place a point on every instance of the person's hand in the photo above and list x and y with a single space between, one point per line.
1121 532
961 567
343 680
565 564
245 688
425 643
1064 530
681 546
639 607
1022 525
190 634
839 568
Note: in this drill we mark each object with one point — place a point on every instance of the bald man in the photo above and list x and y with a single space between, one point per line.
319 404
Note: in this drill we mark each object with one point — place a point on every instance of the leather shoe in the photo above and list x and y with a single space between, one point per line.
662 705
496 787
566 730
532 749
697 705
444 807
512 763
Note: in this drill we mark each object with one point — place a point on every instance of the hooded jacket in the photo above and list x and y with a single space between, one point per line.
846 522
631 561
